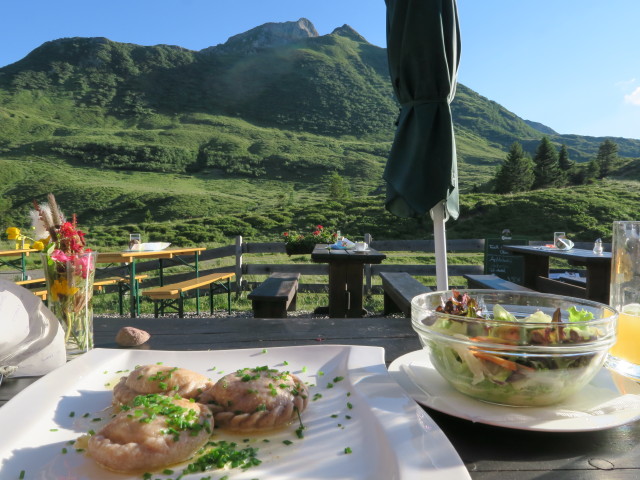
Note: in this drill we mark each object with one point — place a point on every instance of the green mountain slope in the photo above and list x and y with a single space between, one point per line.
244 134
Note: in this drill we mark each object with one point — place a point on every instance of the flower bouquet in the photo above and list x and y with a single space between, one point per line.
69 269
298 243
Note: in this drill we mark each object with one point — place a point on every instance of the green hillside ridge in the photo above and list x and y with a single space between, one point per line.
243 138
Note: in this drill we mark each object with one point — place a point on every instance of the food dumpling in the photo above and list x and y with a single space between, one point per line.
256 399
159 379
156 431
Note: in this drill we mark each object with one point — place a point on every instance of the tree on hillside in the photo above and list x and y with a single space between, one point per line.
565 163
338 188
516 173
588 173
607 157
547 170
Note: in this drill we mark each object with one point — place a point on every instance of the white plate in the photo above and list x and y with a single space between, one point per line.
150 247
608 401
389 434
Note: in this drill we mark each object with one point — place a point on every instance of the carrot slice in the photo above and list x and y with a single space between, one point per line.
503 362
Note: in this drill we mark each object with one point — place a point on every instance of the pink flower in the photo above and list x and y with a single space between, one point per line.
59 256
86 264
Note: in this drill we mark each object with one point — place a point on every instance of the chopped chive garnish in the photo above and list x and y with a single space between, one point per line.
349 406
264 350
320 373
348 450
72 414
53 429
64 450
287 442
338 379
22 472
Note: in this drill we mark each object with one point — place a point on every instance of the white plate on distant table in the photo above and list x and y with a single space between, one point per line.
150 247
609 400
389 435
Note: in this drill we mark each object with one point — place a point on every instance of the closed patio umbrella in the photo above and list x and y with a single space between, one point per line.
423 49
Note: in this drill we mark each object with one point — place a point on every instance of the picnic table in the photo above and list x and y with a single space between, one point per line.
346 274
537 277
132 257
19 262
488 452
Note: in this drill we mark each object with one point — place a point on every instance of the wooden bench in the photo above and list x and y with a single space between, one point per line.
173 295
123 284
493 282
42 293
399 289
31 282
275 296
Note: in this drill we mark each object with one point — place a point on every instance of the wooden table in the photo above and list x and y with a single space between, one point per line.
536 271
489 453
20 263
131 257
346 272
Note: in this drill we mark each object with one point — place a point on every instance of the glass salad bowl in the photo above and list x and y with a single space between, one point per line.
514 348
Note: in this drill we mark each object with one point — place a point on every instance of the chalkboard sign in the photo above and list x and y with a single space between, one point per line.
502 263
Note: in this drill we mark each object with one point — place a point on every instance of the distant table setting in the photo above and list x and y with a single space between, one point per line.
131 257
536 270
346 274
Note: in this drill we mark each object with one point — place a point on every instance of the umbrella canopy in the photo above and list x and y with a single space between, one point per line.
423 48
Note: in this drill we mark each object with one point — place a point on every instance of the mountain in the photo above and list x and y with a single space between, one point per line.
278 106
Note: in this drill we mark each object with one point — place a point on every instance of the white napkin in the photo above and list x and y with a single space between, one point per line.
31 337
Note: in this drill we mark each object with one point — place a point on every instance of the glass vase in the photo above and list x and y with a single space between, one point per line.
70 297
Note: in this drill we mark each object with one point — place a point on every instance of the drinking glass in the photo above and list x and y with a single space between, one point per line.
134 241
624 356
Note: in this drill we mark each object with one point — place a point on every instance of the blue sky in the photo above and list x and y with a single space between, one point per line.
572 65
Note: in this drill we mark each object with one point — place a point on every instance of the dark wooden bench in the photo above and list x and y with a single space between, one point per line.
493 282
399 289
275 296
172 296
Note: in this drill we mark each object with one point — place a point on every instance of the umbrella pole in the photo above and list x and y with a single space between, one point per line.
440 246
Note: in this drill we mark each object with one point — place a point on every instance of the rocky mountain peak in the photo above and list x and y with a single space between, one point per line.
268 35
349 32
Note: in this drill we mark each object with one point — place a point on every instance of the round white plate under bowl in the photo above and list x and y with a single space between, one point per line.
609 400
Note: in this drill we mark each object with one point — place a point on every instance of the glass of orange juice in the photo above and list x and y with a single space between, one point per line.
624 356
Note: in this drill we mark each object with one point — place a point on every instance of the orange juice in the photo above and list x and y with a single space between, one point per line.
626 346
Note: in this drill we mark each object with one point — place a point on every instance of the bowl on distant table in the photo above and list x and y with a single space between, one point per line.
514 348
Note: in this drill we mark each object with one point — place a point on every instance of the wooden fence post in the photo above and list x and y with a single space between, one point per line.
367 267
239 265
